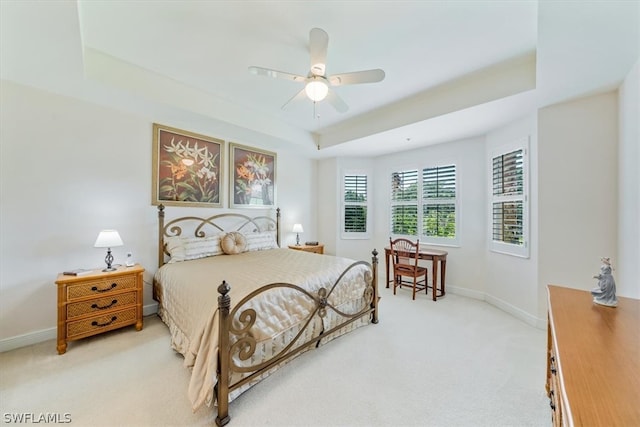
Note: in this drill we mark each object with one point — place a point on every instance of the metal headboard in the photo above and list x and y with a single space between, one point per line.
213 224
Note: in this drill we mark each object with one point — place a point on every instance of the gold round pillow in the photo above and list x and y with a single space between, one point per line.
233 243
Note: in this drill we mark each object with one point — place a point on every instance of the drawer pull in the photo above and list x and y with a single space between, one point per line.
113 286
553 407
115 301
95 322
552 365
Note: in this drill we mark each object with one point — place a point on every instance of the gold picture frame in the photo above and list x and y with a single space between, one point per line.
187 168
252 177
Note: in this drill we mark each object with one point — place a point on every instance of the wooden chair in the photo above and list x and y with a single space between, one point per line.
404 256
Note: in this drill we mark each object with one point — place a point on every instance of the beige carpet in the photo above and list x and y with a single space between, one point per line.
455 362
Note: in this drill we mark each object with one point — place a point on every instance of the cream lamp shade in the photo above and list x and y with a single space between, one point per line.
297 228
108 239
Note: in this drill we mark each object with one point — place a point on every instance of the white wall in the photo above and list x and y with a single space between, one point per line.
327 205
69 169
465 266
506 281
578 189
511 281
628 271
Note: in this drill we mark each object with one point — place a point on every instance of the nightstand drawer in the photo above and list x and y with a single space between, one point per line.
103 323
100 287
100 305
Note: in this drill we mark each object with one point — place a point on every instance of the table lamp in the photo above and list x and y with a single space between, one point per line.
108 239
297 228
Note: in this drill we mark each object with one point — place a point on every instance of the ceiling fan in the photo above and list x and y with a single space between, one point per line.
317 85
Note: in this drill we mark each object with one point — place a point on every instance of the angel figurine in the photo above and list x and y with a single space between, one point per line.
605 293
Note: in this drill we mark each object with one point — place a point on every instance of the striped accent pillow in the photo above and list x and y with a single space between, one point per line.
261 241
187 248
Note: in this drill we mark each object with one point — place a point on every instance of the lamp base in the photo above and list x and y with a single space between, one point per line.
297 239
109 260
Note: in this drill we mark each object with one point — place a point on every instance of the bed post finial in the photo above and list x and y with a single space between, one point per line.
222 387
374 303
160 235
278 226
224 300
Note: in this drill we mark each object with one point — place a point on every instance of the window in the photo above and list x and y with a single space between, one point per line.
439 201
355 202
509 207
425 205
404 202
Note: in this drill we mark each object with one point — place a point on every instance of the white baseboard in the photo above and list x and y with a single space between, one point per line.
51 333
28 339
501 304
466 292
512 310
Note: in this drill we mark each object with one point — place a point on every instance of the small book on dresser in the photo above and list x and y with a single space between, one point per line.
77 272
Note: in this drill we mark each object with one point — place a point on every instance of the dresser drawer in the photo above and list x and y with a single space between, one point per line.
97 324
99 305
100 287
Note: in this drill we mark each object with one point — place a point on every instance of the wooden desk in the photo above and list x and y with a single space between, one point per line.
593 370
433 255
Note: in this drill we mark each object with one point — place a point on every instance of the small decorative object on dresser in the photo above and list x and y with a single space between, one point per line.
98 302
605 292
317 248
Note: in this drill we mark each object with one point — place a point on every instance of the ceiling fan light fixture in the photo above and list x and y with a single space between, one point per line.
316 90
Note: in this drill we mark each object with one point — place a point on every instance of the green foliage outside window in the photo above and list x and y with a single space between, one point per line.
437 191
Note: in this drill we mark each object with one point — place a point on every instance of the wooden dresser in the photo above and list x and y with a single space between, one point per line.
98 302
593 370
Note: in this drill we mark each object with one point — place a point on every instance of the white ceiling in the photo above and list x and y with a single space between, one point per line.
454 69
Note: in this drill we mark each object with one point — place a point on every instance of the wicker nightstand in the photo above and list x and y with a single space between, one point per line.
317 249
98 302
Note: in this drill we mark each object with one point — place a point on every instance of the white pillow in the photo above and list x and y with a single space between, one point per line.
261 241
187 248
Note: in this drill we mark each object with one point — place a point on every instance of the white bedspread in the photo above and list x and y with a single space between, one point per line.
187 292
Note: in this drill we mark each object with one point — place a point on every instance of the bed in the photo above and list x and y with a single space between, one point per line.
273 304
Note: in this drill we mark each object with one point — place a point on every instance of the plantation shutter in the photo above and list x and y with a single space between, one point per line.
404 202
508 198
439 201
355 203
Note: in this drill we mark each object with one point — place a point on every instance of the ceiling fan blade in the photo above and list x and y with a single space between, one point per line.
357 77
259 71
298 96
318 42
337 102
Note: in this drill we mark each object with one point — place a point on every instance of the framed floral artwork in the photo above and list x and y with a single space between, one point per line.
187 168
252 177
